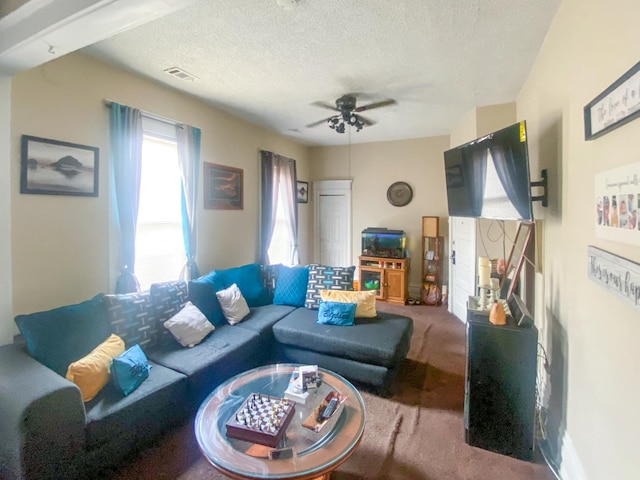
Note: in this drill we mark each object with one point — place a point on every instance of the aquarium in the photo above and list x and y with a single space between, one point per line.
382 242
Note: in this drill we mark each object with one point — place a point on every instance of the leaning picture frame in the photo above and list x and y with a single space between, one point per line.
54 167
617 105
223 187
517 258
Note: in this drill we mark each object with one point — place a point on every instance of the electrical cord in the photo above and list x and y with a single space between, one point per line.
542 414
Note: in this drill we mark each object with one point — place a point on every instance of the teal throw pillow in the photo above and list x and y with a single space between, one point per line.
130 369
335 313
202 293
291 286
58 337
248 278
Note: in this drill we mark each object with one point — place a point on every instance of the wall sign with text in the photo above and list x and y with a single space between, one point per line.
616 274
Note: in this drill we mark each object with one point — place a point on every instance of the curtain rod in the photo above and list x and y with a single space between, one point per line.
150 115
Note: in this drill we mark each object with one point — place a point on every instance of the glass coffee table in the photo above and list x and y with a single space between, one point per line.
301 453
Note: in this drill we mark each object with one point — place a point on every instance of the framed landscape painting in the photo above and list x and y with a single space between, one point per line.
223 187
53 167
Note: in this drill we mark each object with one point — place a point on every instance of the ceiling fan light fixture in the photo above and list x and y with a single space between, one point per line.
348 113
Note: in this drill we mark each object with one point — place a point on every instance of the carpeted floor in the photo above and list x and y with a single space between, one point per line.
418 433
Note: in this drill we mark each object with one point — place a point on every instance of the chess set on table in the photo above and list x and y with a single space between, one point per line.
261 419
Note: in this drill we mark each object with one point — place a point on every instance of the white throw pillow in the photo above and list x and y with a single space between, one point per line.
233 304
189 326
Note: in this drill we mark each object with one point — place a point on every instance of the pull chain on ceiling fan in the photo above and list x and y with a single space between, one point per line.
348 113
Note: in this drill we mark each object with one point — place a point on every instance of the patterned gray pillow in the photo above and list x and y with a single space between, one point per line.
167 299
133 319
323 277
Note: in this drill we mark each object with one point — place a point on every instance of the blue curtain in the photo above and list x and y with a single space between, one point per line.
277 171
475 169
125 131
513 177
189 160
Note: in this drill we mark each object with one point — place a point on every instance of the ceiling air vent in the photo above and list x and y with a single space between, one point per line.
181 74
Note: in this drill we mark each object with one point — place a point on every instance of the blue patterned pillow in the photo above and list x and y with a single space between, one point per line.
336 313
133 319
130 369
323 277
291 288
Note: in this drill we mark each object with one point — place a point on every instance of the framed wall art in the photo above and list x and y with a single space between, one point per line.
302 192
223 187
617 105
53 167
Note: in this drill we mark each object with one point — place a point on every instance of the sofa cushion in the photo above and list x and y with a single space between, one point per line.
133 319
202 293
383 340
189 326
226 352
167 299
291 287
261 319
336 313
365 300
91 372
161 397
233 304
249 281
63 335
325 277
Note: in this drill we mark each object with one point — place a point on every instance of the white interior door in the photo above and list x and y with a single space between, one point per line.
332 199
333 230
462 267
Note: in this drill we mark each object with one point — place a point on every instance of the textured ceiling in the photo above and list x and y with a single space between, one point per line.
266 62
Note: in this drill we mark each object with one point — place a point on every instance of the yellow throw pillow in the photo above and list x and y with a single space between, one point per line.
365 300
91 373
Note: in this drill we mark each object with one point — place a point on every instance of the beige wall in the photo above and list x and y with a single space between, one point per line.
590 335
61 252
375 166
6 310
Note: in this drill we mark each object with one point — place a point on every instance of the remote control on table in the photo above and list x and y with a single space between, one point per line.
328 410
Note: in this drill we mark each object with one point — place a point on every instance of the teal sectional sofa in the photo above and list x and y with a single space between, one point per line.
49 433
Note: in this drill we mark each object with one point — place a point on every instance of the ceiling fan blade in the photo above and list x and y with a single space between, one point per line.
371 106
325 105
366 121
319 122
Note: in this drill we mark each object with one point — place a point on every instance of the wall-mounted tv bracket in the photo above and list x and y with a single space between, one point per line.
541 183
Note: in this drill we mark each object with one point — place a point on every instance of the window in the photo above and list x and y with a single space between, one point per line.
159 243
280 248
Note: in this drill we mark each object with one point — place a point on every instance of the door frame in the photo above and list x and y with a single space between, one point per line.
330 187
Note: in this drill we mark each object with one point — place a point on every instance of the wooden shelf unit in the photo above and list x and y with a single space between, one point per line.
389 277
431 262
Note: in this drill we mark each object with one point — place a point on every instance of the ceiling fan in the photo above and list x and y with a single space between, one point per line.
348 113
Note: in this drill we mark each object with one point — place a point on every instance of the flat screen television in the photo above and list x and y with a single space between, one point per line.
489 177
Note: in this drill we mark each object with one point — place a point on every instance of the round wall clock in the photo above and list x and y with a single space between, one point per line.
399 194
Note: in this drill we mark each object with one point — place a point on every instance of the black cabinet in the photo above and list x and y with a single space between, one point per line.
500 386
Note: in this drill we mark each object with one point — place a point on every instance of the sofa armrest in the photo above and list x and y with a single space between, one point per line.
42 419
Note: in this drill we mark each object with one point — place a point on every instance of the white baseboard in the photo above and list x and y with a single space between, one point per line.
571 467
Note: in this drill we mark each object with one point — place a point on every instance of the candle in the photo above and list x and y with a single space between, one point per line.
484 271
